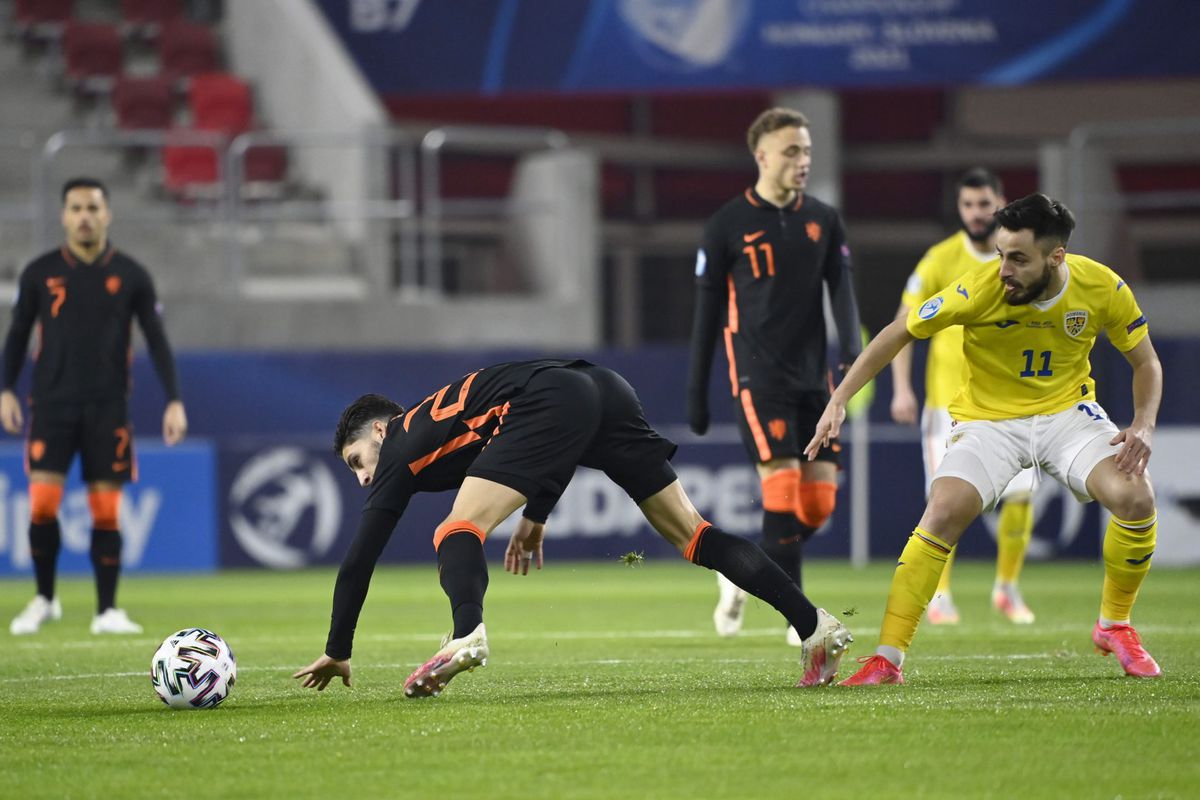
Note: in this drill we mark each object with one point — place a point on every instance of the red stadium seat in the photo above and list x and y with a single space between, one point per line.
186 49
143 102
191 172
93 55
220 102
42 18
266 164
146 17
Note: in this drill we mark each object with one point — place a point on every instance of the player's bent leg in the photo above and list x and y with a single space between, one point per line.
825 639
953 504
1129 543
479 507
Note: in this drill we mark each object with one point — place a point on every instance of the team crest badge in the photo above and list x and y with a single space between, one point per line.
1074 322
37 449
778 429
813 230
113 284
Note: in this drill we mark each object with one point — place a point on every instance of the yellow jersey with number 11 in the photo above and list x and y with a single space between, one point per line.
1030 359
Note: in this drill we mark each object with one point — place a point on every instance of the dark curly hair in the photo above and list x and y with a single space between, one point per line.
357 418
1047 218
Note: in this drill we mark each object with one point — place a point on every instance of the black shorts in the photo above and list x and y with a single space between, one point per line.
99 432
776 425
576 416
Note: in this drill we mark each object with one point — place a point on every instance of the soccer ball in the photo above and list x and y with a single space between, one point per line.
193 668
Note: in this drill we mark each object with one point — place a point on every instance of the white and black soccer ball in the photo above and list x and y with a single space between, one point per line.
193 668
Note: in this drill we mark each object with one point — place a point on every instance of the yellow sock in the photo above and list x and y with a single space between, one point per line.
913 584
943 586
1013 533
1128 546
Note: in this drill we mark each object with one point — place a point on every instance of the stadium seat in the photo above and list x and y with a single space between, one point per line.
265 173
186 49
92 55
220 102
143 103
41 19
191 172
145 18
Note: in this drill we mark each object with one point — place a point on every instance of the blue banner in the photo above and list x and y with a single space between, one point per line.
499 46
168 518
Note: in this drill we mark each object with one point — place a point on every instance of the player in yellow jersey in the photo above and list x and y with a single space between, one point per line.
970 250
1027 400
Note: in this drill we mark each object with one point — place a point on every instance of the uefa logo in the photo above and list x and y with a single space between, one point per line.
285 508
685 35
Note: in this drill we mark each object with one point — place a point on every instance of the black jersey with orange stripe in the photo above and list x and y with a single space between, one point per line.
83 313
760 272
430 447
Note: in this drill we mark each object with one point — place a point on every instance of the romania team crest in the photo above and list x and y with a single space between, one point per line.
1074 322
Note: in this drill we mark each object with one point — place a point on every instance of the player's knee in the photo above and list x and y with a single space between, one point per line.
817 501
453 526
105 505
44 500
1134 500
781 491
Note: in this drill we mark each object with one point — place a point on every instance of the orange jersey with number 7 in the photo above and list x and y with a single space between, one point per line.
1031 359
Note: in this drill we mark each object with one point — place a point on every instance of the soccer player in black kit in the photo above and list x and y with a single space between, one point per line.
82 298
508 436
759 275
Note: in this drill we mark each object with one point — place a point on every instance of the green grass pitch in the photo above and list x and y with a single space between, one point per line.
605 681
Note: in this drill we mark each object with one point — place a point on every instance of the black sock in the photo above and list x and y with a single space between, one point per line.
751 569
106 561
45 540
462 569
782 538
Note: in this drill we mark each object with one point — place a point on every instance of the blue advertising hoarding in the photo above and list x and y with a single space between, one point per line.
498 46
167 518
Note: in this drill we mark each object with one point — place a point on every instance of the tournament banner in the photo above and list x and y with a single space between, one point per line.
167 518
499 46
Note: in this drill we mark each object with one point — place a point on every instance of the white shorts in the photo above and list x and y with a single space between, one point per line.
1067 445
935 436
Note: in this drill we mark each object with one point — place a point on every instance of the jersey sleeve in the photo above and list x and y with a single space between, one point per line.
712 268
955 304
149 317
1125 324
840 280
16 344
354 579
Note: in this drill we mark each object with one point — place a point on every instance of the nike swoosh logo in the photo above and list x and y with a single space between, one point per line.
1139 560
750 237
899 563
120 466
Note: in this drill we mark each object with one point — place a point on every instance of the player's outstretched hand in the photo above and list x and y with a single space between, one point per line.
828 427
697 412
524 547
174 423
10 412
1135 452
319 673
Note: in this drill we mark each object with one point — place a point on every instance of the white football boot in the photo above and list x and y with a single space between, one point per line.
821 653
114 620
731 603
455 655
37 611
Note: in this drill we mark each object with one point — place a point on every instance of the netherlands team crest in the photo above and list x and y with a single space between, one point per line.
1074 322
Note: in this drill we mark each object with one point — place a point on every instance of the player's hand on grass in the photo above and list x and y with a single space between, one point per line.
1135 450
174 423
697 412
319 673
904 406
10 412
524 547
828 428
